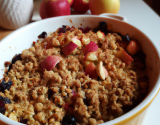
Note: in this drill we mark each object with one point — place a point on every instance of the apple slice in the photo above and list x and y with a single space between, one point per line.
105 71
91 56
121 54
76 41
85 40
132 47
69 48
86 63
49 62
91 71
91 47
100 35
101 71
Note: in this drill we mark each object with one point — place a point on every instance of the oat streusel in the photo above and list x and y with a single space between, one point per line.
73 77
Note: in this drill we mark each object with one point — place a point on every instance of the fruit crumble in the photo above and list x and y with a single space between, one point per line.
75 76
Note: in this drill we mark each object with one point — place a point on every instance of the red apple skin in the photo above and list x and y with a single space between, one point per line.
69 48
91 47
49 8
105 71
49 62
70 2
91 71
132 47
127 59
81 6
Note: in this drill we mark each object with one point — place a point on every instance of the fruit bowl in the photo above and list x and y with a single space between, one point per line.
23 38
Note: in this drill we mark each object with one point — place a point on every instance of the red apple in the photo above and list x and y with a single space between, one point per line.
91 71
49 62
76 41
132 47
101 70
53 8
91 47
105 71
124 57
81 6
69 48
70 2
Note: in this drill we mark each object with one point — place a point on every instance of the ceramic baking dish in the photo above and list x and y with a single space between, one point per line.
22 39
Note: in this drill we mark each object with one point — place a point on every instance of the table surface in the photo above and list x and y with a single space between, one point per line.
140 15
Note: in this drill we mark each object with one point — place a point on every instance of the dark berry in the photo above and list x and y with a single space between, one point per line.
7 100
43 35
50 93
64 26
61 30
86 29
4 86
81 29
69 120
2 107
16 57
23 120
126 38
3 101
103 27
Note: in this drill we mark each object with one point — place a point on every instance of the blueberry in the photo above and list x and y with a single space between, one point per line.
7 100
61 30
126 38
69 120
103 26
64 26
23 120
14 59
43 35
4 86
3 101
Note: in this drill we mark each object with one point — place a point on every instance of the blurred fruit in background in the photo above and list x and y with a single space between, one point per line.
49 8
104 6
15 13
70 2
80 6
